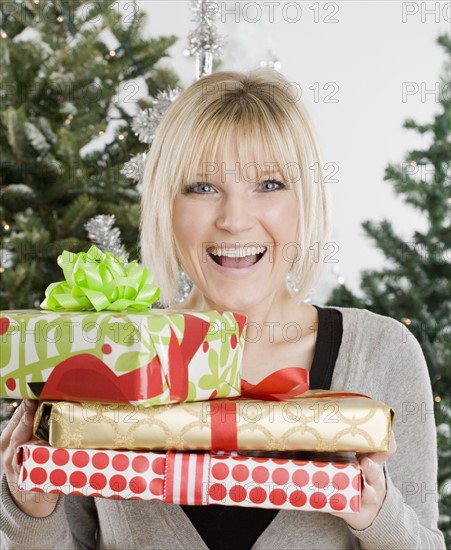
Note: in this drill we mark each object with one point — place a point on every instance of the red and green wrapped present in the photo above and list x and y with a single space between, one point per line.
99 341
146 358
193 478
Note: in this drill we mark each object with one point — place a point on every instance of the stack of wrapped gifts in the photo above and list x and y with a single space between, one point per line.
150 405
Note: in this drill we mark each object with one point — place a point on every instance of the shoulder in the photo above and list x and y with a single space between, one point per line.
370 330
381 352
355 316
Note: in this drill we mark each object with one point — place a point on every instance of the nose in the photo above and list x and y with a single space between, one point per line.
235 214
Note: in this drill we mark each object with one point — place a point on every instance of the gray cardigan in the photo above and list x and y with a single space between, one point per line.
378 357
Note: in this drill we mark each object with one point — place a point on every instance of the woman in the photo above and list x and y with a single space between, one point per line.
234 195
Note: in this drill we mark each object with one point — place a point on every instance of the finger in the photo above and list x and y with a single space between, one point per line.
23 431
378 458
382 456
11 426
30 405
18 431
371 470
15 464
21 435
29 413
392 445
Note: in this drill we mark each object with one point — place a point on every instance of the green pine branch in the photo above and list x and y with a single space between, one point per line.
59 93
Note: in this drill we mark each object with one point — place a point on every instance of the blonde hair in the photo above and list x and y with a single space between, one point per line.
261 108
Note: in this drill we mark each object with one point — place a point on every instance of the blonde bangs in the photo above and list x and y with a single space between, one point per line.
257 143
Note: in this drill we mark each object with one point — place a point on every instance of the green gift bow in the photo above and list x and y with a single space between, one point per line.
97 280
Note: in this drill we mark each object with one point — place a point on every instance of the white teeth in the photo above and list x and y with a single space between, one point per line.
237 253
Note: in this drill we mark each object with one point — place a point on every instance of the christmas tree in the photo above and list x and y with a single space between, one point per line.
415 286
69 75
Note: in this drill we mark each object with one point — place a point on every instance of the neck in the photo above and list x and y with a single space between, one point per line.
266 320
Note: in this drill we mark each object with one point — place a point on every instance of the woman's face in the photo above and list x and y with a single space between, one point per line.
242 211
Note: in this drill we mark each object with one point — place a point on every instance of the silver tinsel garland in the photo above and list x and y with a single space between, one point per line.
134 168
204 41
108 238
204 38
146 121
144 125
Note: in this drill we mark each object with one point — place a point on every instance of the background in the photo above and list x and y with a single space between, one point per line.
83 84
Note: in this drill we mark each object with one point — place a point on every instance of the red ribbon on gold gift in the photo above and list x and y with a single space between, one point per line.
278 386
286 383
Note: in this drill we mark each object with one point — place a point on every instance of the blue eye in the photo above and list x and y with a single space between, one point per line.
192 188
280 184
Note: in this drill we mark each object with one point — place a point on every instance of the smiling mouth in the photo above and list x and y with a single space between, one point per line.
246 261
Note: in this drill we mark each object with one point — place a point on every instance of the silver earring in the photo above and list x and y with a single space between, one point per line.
293 282
294 285
184 286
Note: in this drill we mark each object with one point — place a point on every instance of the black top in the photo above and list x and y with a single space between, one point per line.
225 527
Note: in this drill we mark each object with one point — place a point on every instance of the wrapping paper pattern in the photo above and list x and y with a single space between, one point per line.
192 478
140 358
327 423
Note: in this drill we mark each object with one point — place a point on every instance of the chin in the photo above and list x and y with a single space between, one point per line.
237 302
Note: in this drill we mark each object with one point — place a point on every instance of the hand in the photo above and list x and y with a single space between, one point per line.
374 488
19 430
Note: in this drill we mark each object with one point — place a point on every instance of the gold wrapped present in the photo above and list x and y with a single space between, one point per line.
317 421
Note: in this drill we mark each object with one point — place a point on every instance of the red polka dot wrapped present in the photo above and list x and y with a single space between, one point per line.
192 478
